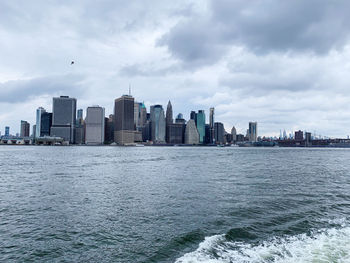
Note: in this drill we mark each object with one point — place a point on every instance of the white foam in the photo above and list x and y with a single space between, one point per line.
329 245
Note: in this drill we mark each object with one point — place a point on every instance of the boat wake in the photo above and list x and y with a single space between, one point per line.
327 245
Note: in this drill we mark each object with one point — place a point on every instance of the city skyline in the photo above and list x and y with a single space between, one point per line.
197 54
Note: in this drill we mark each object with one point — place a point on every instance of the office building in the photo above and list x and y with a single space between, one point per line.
191 133
95 125
299 136
80 117
234 134
143 115
176 132
109 129
200 123
64 112
124 120
193 116
211 125
39 113
45 123
168 121
158 124
253 131
25 127
219 132
308 139
7 131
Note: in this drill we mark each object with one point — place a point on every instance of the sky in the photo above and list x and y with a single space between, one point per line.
284 64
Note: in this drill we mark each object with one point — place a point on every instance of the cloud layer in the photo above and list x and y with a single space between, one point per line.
284 64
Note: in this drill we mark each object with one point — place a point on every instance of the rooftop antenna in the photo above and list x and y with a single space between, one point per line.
129 89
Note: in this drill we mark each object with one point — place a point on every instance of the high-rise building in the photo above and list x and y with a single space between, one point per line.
143 115
253 131
45 123
299 135
211 125
176 133
201 125
109 129
80 117
64 112
157 124
219 132
25 127
39 113
193 116
124 120
191 133
7 131
95 125
168 120
308 139
234 134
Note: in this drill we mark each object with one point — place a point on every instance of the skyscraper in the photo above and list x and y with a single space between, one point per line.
233 133
45 124
124 120
211 125
219 132
168 120
39 113
191 133
95 125
80 117
64 112
193 116
158 124
7 131
201 125
253 131
25 127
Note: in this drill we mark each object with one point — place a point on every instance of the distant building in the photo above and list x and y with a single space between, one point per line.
147 132
253 132
45 123
193 116
39 113
157 124
180 119
25 128
176 132
64 112
80 117
124 120
308 138
211 125
201 125
240 138
234 134
168 121
95 125
34 131
191 133
299 136
219 132
109 129
207 139
7 131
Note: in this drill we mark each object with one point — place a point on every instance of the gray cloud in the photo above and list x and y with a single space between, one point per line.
262 27
25 90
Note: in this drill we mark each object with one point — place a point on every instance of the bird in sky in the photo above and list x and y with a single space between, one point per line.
72 62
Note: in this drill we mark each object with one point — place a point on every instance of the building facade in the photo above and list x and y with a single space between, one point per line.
158 124
168 121
191 133
219 132
64 111
201 126
25 129
124 120
95 125
253 132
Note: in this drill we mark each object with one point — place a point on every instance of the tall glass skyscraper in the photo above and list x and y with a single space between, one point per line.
95 125
201 125
158 124
64 114
39 113
253 131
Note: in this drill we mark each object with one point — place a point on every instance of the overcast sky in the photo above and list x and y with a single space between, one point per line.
284 64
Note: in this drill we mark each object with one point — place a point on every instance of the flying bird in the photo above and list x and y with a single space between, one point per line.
72 62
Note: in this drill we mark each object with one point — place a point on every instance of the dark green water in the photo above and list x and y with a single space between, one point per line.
176 204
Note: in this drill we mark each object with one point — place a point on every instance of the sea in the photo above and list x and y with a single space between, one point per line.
174 204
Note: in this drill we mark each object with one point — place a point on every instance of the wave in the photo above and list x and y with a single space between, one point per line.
327 245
